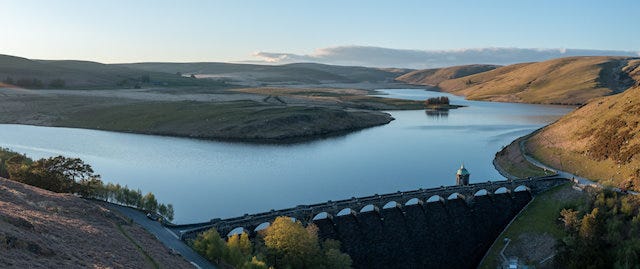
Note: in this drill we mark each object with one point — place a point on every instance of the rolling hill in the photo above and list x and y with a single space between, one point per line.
599 141
82 74
433 77
260 75
572 80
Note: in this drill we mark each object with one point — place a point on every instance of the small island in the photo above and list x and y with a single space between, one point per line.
439 103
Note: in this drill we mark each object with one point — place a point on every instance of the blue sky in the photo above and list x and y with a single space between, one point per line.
162 30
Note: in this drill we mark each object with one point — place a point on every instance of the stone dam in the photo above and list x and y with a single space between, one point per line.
445 227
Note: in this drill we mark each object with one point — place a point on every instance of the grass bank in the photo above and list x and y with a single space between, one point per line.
535 231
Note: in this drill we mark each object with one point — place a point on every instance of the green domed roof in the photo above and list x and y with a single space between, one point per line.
462 171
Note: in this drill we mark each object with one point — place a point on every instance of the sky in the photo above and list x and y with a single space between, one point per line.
114 31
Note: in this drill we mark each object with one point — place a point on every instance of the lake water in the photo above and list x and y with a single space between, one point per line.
207 179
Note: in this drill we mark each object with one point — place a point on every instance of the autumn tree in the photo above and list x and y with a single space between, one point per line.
239 249
149 202
210 245
291 245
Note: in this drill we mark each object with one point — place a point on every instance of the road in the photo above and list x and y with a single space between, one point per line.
582 181
164 235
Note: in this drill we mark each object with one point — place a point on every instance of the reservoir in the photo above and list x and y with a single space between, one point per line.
209 179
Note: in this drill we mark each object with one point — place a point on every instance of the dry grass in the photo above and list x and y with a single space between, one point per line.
41 229
572 80
598 141
346 98
433 77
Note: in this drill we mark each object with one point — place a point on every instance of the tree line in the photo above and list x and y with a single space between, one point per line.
35 83
442 100
284 244
71 175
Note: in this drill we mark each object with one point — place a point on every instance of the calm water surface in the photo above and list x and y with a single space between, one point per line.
206 179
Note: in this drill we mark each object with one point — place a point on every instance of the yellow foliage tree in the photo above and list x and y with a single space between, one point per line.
291 245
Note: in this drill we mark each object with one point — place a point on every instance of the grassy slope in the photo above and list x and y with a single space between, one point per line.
598 141
239 120
86 74
299 72
535 231
509 160
349 98
41 229
572 80
433 77
231 120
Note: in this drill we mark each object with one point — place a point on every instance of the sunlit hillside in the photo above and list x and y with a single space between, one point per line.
573 80
599 141
433 77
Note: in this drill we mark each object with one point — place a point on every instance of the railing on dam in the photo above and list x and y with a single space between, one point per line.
306 213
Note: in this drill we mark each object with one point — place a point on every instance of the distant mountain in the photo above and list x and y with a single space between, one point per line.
434 76
71 74
422 59
571 80
255 75
599 141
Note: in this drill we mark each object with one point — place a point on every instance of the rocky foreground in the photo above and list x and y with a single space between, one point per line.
42 229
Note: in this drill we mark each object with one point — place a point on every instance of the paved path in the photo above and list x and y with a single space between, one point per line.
164 235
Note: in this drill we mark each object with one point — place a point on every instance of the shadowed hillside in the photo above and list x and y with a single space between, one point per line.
42 229
39 74
573 80
599 141
433 77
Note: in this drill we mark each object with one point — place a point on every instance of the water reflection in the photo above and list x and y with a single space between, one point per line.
208 179
437 113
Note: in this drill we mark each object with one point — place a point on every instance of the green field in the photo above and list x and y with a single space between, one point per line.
538 219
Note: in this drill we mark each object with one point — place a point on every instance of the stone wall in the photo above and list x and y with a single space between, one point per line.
450 234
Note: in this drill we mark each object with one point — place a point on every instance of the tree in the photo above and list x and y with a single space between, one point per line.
149 202
90 187
333 258
146 78
210 245
570 219
291 245
442 100
170 212
162 210
238 249
57 174
589 226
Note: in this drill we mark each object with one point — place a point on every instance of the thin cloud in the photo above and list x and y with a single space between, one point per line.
386 57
